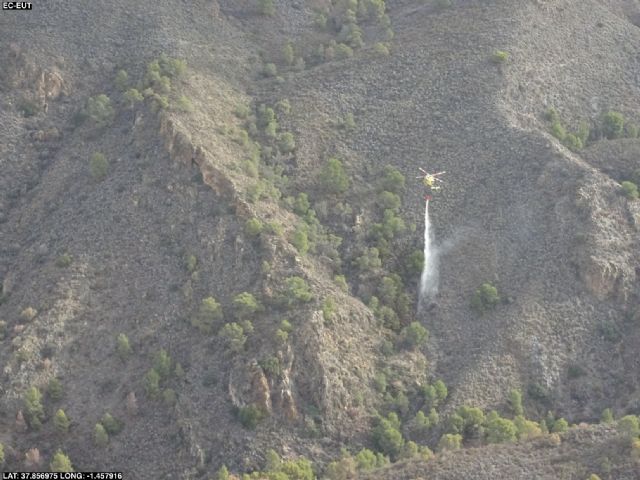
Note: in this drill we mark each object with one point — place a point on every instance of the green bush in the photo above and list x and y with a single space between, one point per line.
223 473
151 383
61 422
286 143
387 436
515 402
607 416
112 425
266 7
190 263
343 51
368 460
133 96
341 282
98 166
270 70
162 364
381 49
99 110
613 125
300 240
449 441
245 305
60 463
392 180
560 425
209 313
33 409
183 104
333 178
298 290
572 142
485 298
388 200
630 190
414 335
500 56
122 80
632 130
253 227
629 426
499 430
328 309
250 416
100 436
123 348
288 54
55 391
234 336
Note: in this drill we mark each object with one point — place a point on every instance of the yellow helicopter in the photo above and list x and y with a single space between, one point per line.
429 180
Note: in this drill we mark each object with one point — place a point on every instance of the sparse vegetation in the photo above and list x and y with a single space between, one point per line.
64 260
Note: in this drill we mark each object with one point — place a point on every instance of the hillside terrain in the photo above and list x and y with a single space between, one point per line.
211 238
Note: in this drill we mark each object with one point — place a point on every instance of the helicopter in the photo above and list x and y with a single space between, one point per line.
429 180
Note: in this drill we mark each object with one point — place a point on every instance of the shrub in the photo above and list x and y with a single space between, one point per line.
250 416
526 428
98 166
190 263
55 390
414 262
572 142
630 190
60 463
301 204
558 131
414 335
234 336
613 125
629 426
499 430
449 441
162 364
112 425
333 178
500 56
392 180
152 383
253 227
300 240
245 305
286 143
100 436
266 7
632 130
388 200
283 106
485 298
328 309
33 409
61 422
387 436
560 425
99 110
133 96
122 80
183 104
298 290
28 107
64 260
369 260
169 397
341 282
209 313
343 51
381 49
270 70
288 54
607 416
515 402
123 348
